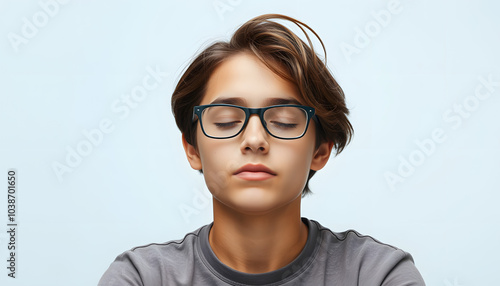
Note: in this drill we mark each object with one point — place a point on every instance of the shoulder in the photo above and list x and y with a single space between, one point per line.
173 248
146 264
361 243
351 241
367 258
354 240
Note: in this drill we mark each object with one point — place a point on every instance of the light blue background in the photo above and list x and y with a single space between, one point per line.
131 188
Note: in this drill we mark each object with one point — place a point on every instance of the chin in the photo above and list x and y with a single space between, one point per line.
255 201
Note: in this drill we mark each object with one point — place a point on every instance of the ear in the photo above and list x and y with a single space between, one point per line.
321 156
192 154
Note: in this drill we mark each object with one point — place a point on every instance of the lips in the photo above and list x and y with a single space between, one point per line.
254 172
254 168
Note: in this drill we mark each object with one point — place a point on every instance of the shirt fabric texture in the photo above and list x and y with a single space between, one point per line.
328 258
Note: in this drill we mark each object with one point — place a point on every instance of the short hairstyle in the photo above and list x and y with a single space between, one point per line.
284 53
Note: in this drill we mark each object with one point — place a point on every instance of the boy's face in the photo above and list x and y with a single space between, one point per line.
248 81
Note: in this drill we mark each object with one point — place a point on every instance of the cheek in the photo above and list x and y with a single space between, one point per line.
213 168
217 163
295 160
299 151
215 153
206 149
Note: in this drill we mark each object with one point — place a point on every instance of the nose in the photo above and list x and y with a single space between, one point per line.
255 137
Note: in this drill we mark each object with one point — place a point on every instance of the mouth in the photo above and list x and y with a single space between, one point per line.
254 172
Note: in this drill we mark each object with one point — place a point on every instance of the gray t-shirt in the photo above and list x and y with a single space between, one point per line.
328 258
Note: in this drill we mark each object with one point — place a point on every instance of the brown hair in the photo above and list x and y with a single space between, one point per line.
285 54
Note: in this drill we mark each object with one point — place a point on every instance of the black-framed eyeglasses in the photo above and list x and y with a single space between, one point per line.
222 121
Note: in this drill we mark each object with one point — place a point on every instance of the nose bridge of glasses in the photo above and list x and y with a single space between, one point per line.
257 118
256 114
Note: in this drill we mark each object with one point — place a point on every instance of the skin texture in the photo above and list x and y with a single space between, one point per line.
257 226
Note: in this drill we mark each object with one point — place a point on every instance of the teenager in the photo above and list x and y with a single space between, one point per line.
259 115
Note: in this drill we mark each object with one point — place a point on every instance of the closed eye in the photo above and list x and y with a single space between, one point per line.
284 125
226 124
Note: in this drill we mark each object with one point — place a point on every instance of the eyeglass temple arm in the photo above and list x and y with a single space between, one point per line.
195 116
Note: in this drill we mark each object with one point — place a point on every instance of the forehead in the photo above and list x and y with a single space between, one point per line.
248 82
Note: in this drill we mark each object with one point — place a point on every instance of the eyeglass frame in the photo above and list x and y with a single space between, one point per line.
310 113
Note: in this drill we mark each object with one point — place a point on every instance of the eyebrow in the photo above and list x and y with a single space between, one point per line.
229 100
270 101
279 100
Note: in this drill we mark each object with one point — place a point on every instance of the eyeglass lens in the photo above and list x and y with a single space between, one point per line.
227 121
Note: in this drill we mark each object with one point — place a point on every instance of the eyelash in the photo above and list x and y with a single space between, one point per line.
285 125
225 124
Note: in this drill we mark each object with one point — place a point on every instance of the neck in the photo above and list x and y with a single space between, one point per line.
257 243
